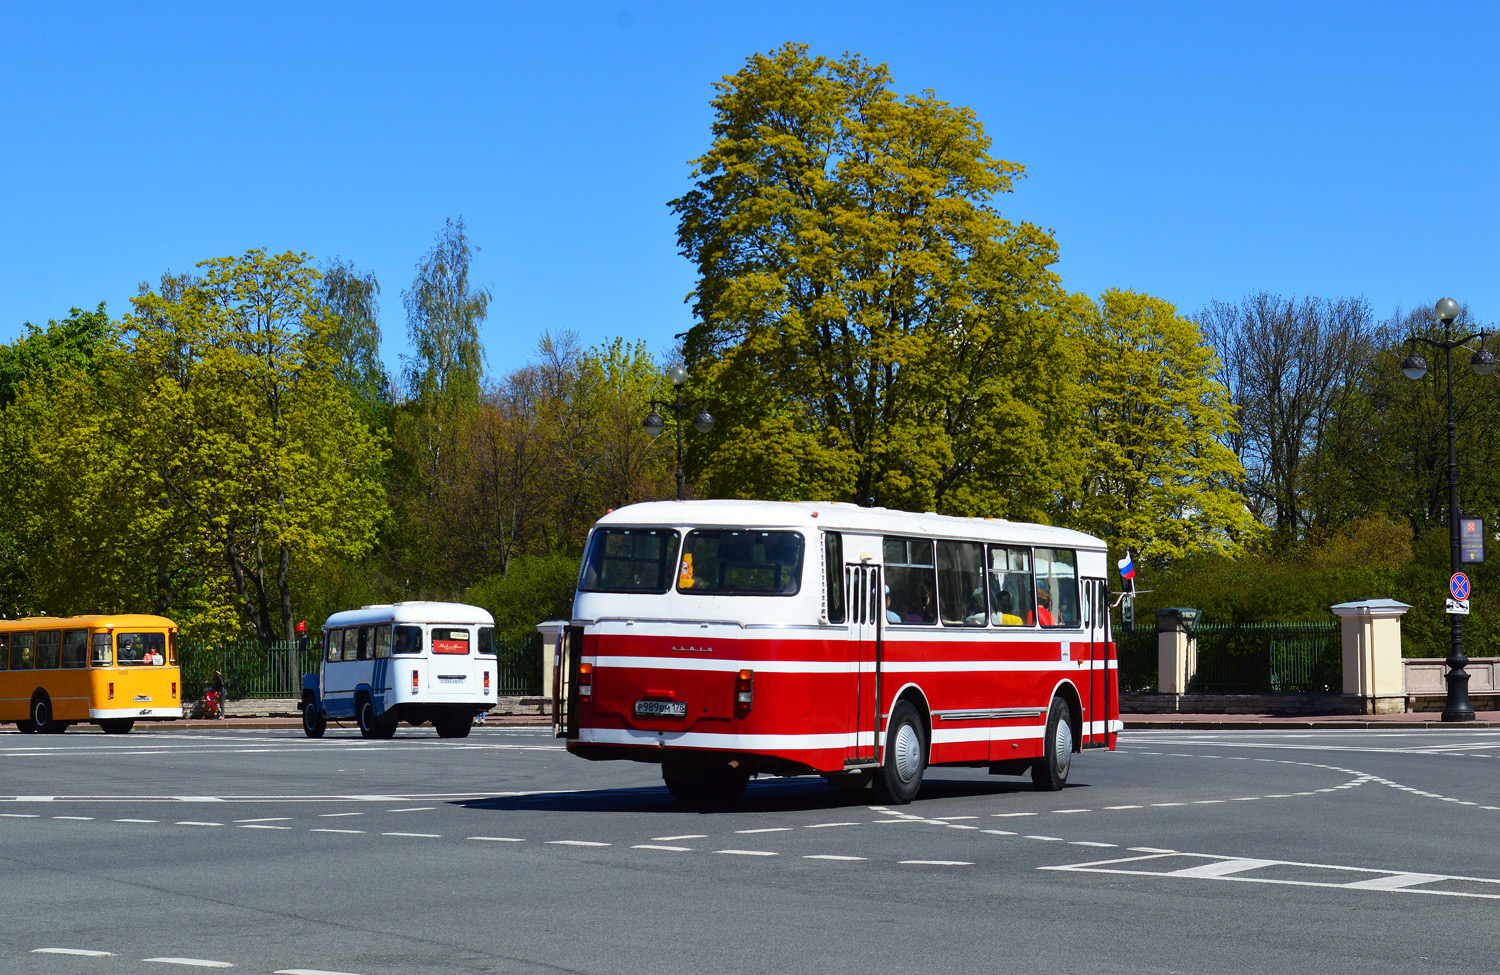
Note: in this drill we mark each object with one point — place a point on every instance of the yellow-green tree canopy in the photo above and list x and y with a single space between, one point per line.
869 327
1157 478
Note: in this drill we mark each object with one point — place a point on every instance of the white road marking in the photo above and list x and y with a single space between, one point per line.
498 839
829 856
1122 807
309 971
670 849
81 952
1150 849
998 832
137 820
82 819
575 843
413 809
337 815
1059 812
194 822
684 836
1045 839
748 853
937 863
194 962
266 819
954 819
21 815
826 825
1222 868
767 829
424 836
1008 815
328 830
261 826
1088 843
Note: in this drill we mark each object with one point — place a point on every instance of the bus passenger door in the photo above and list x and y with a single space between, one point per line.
1096 620
865 607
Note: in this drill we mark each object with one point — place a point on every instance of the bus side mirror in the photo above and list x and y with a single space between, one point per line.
1127 614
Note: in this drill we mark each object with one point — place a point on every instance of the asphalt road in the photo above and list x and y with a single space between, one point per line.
173 850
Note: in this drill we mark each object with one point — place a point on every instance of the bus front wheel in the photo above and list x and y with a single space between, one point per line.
314 723
41 716
368 727
900 776
1050 772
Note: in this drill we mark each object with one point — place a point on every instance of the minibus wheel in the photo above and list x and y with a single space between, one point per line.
116 726
314 722
365 709
900 776
453 726
1050 772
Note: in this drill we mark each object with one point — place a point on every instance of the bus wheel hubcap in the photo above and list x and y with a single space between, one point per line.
1063 745
908 752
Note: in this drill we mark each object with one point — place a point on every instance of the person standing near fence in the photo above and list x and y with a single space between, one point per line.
220 689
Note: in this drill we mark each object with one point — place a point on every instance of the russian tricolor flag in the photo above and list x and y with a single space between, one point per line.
1127 567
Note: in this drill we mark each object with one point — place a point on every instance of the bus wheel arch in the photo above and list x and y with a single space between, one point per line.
913 695
907 751
1069 693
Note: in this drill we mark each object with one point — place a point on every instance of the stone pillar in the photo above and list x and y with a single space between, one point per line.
1374 679
551 632
1176 650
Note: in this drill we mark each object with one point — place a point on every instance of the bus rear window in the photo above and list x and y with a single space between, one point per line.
629 560
450 641
140 649
741 563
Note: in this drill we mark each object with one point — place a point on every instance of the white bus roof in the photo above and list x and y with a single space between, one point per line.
412 611
844 517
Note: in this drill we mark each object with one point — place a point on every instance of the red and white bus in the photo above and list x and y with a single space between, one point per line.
724 639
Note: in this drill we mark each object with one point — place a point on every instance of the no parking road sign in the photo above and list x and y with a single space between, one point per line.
1458 593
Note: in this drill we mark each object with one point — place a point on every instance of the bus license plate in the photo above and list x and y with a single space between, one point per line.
661 709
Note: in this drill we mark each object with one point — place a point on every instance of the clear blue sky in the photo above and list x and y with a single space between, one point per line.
1192 151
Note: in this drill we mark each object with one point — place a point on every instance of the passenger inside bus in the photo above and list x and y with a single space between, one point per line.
891 616
921 609
1043 608
1003 614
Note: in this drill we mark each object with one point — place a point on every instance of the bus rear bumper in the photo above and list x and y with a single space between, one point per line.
96 713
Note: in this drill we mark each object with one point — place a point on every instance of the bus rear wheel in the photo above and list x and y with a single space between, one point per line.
1050 772
900 776
704 786
314 722
116 726
41 716
453 726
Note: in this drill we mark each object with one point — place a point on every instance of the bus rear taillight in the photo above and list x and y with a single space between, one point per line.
414 682
744 690
486 682
585 682
174 688
111 690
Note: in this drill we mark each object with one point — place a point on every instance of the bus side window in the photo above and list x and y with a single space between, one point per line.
335 645
382 642
75 649
4 651
961 583
408 639
103 650
48 647
1012 588
833 569
912 577
363 650
487 641
1057 582
21 655
351 644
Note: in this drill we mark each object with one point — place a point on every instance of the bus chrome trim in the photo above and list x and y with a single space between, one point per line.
724 740
983 714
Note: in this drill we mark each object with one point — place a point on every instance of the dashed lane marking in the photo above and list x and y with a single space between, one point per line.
137 820
193 822
81 819
20 815
575 843
1011 815
1170 865
767 829
80 952
266 819
338 815
261 826
1045 839
309 971
684 836
669 849
420 836
936 863
826 825
498 839
829 856
193 962
413 809
330 830
749 853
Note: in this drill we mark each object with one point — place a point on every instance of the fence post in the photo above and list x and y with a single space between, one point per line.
1374 680
1176 649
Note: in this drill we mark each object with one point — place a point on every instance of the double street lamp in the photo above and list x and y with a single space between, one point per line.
1414 366
703 421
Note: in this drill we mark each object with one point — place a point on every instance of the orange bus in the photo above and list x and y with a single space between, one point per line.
107 670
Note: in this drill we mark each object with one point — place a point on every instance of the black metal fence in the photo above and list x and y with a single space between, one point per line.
1136 653
1252 658
253 670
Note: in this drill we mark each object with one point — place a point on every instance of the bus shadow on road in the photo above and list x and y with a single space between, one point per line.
762 795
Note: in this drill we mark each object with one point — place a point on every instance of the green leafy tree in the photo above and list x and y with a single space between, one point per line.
1157 478
74 342
249 429
443 314
351 300
869 327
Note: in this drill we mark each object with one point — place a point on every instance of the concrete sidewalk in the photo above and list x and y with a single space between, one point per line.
1220 722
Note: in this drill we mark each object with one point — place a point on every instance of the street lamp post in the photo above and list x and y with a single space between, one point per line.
703 421
1457 707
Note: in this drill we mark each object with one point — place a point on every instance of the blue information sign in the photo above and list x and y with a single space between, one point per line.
1471 540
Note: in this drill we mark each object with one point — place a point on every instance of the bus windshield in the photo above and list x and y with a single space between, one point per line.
736 562
629 560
